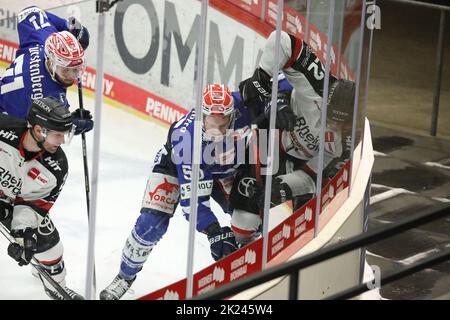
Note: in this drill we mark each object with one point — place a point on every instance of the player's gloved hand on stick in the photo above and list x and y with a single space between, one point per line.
82 119
222 241
79 31
255 90
285 119
26 246
5 210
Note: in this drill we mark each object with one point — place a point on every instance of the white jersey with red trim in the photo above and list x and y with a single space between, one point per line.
31 182
306 73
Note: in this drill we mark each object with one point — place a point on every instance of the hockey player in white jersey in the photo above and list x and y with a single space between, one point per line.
298 146
33 170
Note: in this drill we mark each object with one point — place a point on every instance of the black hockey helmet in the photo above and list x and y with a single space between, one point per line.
341 99
50 113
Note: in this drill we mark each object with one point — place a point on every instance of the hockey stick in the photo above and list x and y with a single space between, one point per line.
85 162
38 266
83 145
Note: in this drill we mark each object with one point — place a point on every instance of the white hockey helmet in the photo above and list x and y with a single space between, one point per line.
217 100
66 56
218 110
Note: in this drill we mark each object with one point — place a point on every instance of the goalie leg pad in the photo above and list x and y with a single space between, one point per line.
148 230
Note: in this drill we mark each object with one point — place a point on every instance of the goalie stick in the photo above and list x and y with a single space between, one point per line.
38 266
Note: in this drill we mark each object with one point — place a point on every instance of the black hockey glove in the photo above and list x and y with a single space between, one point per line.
255 90
82 119
337 163
221 240
79 31
285 119
5 210
280 193
23 254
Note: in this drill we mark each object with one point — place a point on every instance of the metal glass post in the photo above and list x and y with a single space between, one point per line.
356 102
308 17
90 289
273 113
323 118
369 60
263 10
438 81
341 32
197 150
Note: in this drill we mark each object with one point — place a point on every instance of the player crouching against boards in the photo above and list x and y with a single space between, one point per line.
33 169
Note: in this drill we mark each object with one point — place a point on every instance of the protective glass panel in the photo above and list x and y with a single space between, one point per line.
354 52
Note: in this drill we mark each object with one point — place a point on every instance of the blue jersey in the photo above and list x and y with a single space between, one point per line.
219 158
27 77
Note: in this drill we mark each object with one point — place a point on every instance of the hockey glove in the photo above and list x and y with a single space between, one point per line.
280 193
337 163
82 119
5 210
221 240
79 31
255 90
23 253
285 119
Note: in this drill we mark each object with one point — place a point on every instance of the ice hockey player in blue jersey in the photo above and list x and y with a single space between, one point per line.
49 59
225 119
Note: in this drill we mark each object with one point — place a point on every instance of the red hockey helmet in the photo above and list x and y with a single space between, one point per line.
217 100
